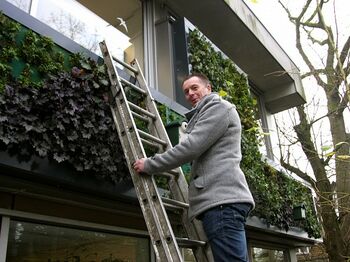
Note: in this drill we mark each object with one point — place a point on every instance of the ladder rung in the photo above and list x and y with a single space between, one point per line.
150 137
143 118
144 141
126 65
172 172
175 203
167 174
189 243
141 110
135 87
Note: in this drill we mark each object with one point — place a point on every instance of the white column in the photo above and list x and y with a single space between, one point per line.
293 255
4 235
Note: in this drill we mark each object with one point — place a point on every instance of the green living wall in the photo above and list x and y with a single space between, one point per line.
56 105
275 193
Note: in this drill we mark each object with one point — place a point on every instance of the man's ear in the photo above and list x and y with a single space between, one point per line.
209 87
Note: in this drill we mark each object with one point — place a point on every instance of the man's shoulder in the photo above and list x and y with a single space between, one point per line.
222 102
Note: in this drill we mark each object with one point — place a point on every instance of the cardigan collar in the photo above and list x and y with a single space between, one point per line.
200 104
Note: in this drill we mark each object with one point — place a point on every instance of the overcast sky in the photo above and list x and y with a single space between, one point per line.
275 19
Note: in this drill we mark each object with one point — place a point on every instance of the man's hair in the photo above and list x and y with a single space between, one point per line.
201 76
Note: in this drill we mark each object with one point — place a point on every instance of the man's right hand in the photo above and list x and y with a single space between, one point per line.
139 165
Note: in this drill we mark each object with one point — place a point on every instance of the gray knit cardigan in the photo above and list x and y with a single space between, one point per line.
213 144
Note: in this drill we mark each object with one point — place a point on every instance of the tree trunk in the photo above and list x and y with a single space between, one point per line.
333 239
342 167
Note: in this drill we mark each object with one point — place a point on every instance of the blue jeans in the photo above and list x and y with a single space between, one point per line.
224 227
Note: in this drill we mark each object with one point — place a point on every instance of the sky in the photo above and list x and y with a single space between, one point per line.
275 19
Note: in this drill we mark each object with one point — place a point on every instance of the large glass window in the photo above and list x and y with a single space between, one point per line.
22 4
39 242
267 255
88 22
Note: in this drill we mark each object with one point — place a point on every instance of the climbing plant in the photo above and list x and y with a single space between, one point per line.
56 108
274 192
8 50
26 57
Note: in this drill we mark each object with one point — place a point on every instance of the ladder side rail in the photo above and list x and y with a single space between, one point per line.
136 180
160 230
151 106
145 193
178 186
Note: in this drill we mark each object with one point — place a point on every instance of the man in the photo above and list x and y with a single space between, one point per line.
218 192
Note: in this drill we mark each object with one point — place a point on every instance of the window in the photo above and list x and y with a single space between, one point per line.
265 146
22 4
40 242
89 23
267 255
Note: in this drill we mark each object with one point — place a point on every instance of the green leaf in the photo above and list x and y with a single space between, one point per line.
330 154
326 148
104 82
85 65
222 93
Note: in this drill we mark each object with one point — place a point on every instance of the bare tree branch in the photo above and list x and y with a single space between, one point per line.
297 171
316 71
343 54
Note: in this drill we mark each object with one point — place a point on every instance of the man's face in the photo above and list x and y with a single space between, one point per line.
195 89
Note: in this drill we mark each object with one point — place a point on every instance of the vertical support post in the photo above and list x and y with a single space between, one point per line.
4 235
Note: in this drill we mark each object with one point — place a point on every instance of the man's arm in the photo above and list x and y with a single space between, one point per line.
211 125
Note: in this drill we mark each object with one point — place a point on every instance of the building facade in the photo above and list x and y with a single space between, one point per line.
50 213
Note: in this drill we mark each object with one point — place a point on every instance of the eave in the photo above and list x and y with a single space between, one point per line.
234 28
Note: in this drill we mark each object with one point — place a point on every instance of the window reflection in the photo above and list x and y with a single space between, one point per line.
267 255
22 4
88 22
37 242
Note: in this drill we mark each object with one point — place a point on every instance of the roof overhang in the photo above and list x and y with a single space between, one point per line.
234 28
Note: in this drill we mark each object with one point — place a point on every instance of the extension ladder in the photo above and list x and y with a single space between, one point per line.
126 115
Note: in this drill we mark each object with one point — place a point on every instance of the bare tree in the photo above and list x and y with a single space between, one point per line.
22 4
73 28
331 168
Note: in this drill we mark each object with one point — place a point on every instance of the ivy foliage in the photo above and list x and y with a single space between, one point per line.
169 116
275 193
67 119
26 57
8 52
64 116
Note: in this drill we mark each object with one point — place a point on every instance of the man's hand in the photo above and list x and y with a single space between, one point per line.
139 165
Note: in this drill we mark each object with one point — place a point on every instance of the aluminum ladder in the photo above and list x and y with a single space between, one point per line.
155 208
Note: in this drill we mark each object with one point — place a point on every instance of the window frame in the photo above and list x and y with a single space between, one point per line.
8 215
270 246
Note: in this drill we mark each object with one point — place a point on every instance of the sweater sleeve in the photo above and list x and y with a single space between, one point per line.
211 124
